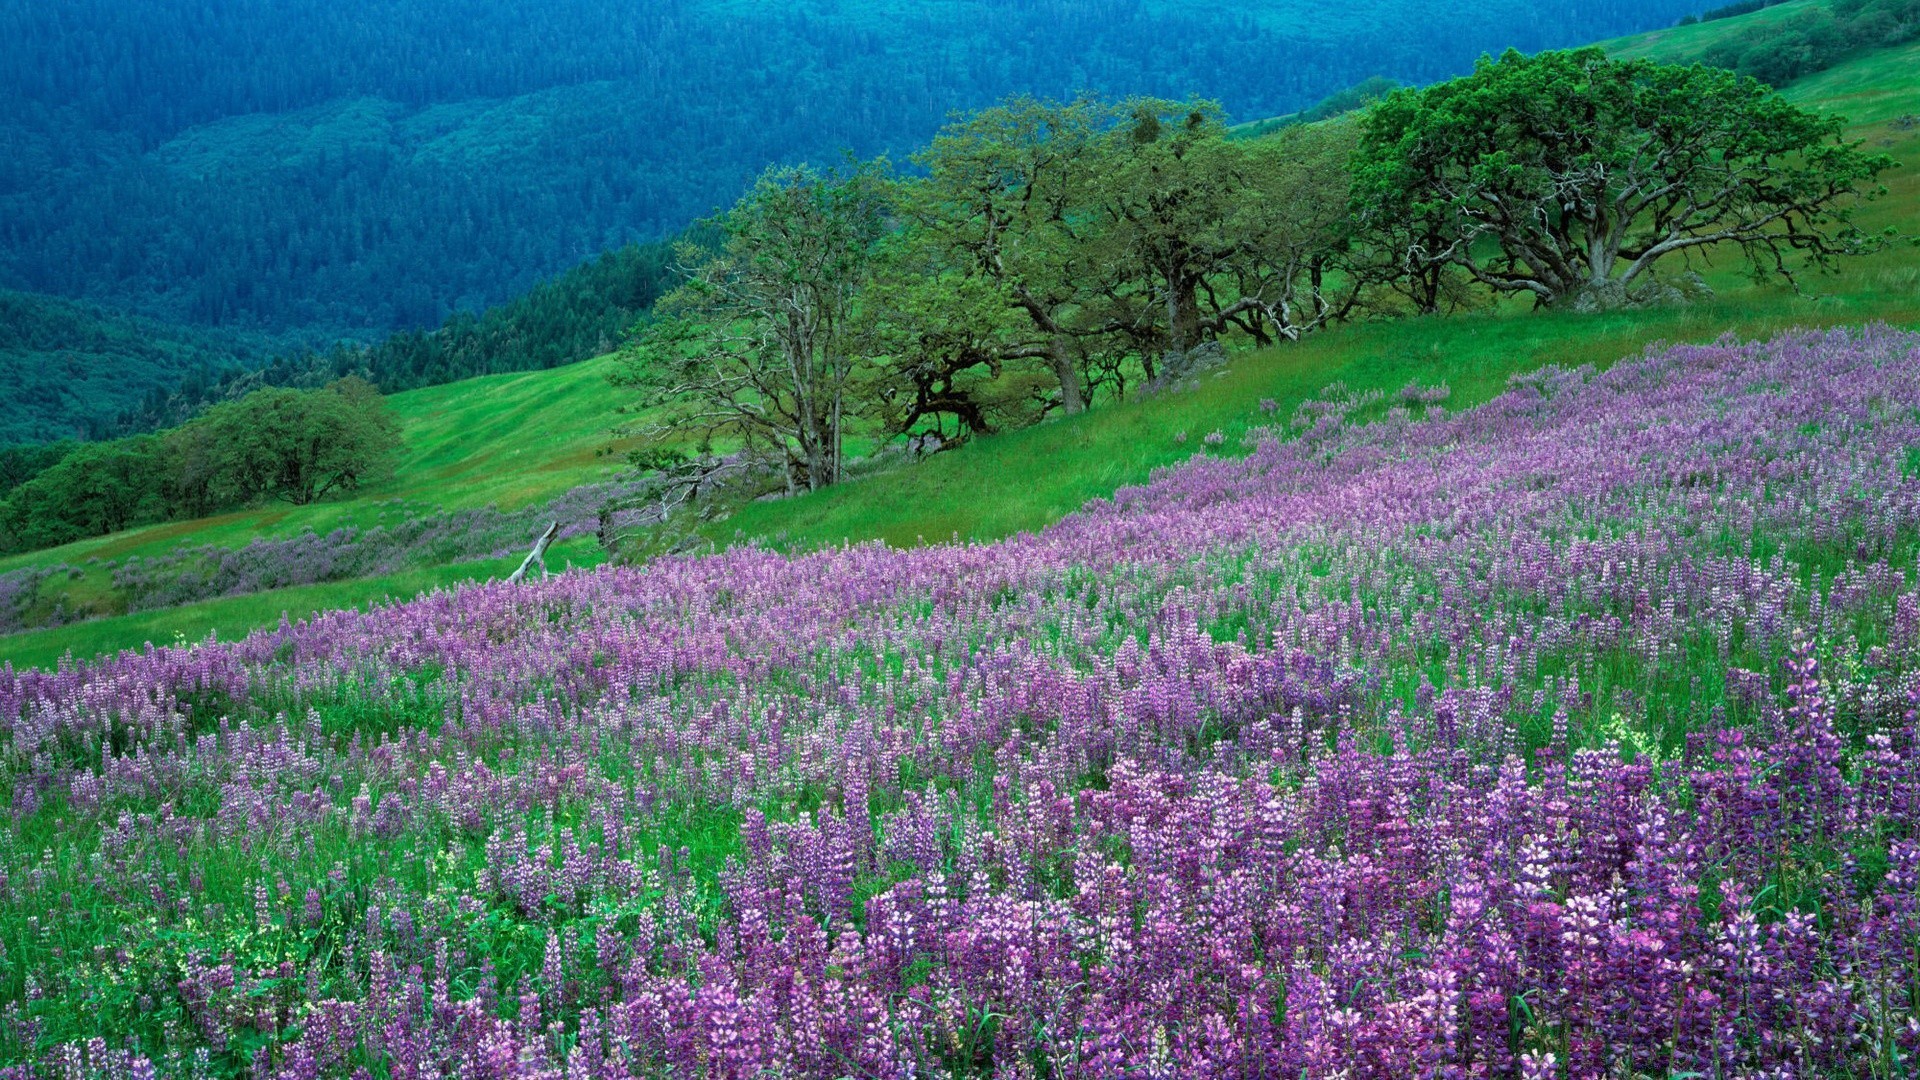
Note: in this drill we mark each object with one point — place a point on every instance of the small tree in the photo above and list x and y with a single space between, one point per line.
196 467
754 348
1570 176
99 488
300 445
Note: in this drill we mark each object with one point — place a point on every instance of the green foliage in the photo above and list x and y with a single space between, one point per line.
19 464
292 445
1003 205
508 441
298 446
1780 53
1200 236
755 345
1728 11
70 370
99 488
1049 253
1567 176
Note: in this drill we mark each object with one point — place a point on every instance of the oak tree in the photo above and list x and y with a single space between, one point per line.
754 346
1570 176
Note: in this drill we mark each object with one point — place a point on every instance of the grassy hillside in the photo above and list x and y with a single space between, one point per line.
1685 44
1026 479
508 440
518 439
1880 93
511 440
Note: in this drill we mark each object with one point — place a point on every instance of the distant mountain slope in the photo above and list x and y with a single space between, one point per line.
1786 42
69 370
299 164
580 314
1687 44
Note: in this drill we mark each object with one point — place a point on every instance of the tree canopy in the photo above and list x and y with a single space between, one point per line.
1570 176
298 446
1049 256
278 443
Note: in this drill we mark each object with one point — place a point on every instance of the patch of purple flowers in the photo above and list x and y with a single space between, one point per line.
202 572
18 590
1574 735
20 597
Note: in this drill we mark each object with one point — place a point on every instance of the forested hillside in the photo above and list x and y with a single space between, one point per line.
302 165
76 370
579 314
70 370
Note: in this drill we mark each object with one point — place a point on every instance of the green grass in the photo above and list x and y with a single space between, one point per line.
1686 44
1025 479
510 440
1871 89
514 440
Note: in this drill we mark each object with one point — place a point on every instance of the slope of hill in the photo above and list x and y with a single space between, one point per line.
523 438
78 370
575 316
512 441
1789 41
1687 44
1461 709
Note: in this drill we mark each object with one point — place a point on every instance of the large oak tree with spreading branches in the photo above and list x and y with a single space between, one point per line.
1571 177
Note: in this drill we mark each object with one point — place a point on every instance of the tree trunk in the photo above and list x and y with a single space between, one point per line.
1178 319
1072 397
1183 325
835 442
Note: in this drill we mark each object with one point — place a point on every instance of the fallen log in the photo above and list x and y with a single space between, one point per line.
537 555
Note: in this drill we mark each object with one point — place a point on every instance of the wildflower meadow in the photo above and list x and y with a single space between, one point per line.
1570 735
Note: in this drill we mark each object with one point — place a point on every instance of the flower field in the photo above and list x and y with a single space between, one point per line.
1570 735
